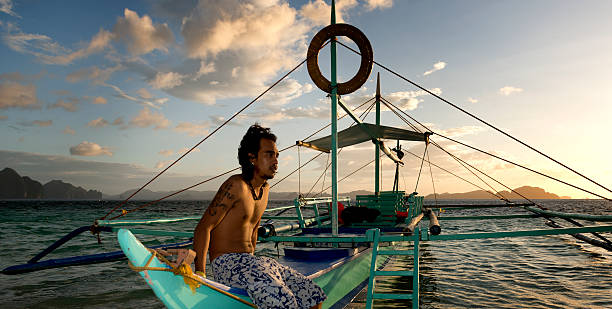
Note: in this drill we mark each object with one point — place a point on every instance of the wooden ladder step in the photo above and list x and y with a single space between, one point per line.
391 296
406 273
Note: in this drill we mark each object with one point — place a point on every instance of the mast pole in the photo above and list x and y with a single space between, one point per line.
377 152
334 128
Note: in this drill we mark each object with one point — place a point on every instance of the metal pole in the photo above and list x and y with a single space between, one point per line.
377 153
334 128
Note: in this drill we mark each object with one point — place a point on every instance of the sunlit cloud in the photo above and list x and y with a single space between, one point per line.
318 12
6 6
70 105
472 100
144 93
36 123
98 123
3 117
99 100
16 95
68 130
161 164
94 74
378 4
286 91
89 149
166 152
508 90
140 34
118 121
436 67
193 129
49 51
146 118
167 80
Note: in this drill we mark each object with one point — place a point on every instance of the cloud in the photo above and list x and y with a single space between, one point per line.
140 34
205 68
286 91
98 123
37 123
318 12
472 100
47 50
155 103
166 80
409 100
13 94
99 100
6 6
146 118
3 117
436 67
378 4
71 105
185 149
166 153
193 129
508 90
94 74
68 130
143 93
118 121
89 149
161 164
237 47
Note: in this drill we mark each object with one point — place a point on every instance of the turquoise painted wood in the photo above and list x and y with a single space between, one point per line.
337 281
169 288
371 291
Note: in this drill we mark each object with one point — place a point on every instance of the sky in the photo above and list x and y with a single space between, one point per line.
106 94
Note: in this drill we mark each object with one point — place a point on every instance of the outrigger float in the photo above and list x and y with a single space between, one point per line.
345 259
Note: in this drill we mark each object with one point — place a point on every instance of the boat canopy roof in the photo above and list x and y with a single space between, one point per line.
356 134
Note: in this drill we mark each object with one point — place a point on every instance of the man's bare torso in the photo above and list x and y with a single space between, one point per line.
235 232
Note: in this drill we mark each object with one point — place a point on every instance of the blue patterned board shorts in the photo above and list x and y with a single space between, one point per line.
268 283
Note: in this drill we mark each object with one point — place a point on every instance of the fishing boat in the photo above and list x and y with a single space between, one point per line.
343 245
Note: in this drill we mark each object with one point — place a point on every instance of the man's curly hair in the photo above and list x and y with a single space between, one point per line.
250 145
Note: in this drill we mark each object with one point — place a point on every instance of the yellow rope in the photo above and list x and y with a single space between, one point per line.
184 270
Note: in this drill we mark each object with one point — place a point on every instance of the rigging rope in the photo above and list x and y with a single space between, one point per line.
420 169
477 118
540 206
390 105
209 135
505 160
433 185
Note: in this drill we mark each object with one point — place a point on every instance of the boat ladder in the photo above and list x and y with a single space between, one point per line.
371 292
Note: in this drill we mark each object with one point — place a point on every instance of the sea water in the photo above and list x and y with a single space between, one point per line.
527 272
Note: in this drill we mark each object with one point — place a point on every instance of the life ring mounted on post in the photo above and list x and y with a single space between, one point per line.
365 48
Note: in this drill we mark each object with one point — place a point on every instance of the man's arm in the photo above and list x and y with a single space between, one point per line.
216 211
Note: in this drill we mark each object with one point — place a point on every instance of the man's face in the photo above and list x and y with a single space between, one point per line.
266 162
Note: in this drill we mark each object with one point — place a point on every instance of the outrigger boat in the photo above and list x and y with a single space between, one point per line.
342 259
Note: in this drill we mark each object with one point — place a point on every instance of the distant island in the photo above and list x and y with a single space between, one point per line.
14 186
527 191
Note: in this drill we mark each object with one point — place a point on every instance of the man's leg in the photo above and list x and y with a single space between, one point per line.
307 293
259 277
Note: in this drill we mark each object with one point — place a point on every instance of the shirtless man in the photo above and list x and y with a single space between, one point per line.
228 232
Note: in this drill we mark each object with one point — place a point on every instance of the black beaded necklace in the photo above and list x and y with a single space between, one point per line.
255 197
